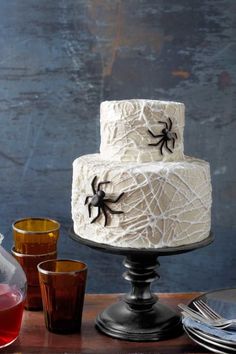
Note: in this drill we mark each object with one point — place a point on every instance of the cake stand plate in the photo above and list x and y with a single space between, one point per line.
139 316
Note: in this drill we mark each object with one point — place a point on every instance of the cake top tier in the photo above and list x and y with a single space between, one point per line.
142 130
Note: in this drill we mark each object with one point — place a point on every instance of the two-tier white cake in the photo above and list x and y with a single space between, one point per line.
141 191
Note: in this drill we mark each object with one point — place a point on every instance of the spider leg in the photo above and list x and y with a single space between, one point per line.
98 214
173 143
163 123
155 144
154 136
105 215
114 201
161 147
175 135
170 123
151 133
100 183
89 209
87 198
166 145
113 211
93 184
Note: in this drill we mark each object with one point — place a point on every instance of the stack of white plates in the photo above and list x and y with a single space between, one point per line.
223 302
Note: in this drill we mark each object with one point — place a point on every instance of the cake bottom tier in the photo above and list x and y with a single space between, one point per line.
163 204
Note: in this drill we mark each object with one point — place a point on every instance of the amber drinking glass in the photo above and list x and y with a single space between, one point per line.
63 285
29 264
35 235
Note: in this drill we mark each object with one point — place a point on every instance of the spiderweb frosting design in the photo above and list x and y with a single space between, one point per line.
165 203
166 198
124 129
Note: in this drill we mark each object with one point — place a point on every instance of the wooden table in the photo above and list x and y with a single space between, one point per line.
34 337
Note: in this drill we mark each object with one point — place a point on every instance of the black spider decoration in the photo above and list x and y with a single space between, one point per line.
98 200
166 136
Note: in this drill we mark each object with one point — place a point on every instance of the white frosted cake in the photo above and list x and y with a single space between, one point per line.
141 191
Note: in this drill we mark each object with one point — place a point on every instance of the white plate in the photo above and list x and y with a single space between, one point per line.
206 344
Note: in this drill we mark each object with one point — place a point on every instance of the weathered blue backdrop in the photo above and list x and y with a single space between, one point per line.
60 58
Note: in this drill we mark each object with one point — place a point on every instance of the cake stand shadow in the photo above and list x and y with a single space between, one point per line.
139 316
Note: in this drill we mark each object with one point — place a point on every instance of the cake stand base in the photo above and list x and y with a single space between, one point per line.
120 321
139 316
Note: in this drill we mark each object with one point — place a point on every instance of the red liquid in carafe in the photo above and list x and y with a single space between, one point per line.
11 311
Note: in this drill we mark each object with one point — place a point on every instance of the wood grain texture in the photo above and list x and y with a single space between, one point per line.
34 338
60 59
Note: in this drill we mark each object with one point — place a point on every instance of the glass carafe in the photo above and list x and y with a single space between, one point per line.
12 296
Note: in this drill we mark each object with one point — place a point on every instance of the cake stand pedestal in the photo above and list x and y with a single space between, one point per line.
139 316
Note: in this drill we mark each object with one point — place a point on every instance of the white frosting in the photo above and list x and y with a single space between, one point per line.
167 197
164 203
124 130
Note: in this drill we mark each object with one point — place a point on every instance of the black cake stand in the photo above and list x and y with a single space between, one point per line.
139 316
